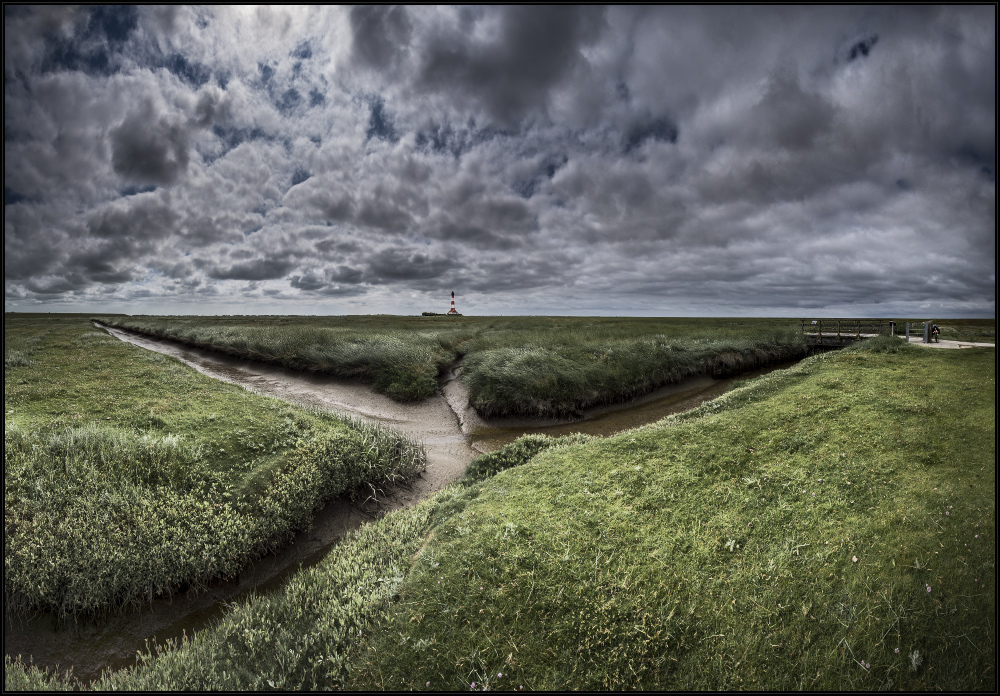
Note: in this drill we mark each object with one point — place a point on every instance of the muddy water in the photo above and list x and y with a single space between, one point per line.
608 420
452 434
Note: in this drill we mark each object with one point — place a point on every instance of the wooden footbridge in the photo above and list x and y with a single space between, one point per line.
837 333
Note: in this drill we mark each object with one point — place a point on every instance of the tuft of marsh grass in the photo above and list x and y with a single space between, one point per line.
517 453
878 344
15 358
18 346
25 676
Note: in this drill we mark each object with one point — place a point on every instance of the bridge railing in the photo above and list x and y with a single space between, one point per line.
847 329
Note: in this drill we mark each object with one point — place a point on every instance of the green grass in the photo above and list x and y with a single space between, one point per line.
130 476
533 366
560 370
782 537
827 527
400 357
297 638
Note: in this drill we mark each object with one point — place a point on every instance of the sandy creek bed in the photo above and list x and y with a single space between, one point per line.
451 431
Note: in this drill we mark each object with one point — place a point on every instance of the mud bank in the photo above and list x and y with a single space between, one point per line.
432 421
452 433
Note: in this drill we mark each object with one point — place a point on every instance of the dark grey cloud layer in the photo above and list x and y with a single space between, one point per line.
607 160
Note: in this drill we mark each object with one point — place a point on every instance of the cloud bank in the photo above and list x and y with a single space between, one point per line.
563 160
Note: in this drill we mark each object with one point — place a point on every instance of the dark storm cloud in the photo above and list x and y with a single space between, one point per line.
334 282
499 223
381 35
146 218
535 49
862 47
602 159
521 274
398 264
790 116
31 245
330 246
258 269
148 148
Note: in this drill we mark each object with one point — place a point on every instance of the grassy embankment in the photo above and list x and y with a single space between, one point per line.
829 527
527 366
557 366
127 475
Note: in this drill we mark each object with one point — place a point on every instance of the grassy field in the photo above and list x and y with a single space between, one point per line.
128 475
977 330
826 527
518 366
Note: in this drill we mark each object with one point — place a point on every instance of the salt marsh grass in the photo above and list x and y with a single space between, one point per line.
543 372
800 532
518 366
18 347
128 476
827 527
399 359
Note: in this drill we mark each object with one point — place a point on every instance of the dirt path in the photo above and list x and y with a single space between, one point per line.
946 343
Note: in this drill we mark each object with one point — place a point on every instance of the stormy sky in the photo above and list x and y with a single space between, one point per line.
669 161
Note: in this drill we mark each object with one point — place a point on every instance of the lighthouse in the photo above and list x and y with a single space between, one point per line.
452 310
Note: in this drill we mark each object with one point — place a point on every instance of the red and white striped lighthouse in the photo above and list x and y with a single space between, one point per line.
452 310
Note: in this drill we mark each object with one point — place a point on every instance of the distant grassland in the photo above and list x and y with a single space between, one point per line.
128 475
528 366
828 527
